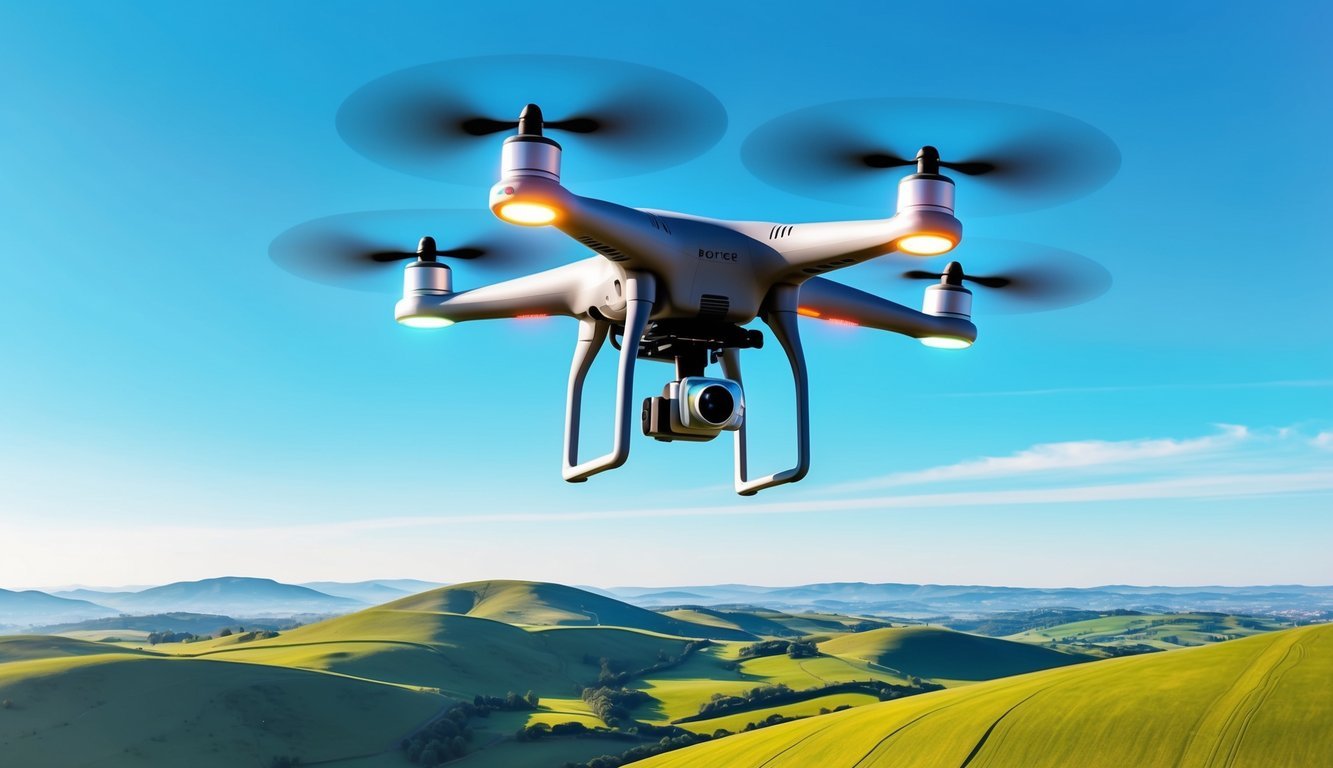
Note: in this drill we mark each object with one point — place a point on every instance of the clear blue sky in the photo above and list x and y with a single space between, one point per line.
173 406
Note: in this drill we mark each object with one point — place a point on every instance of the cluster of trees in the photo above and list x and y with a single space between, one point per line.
443 740
167 636
642 751
720 704
617 674
511 702
797 649
612 705
775 695
173 637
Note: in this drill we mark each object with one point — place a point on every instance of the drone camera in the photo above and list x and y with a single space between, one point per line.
696 408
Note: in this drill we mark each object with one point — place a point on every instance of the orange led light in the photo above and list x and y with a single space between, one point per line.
840 321
807 312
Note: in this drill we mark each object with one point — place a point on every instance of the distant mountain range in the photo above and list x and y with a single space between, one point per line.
227 596
18 609
257 597
926 600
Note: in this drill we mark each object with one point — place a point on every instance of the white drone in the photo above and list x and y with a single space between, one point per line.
677 288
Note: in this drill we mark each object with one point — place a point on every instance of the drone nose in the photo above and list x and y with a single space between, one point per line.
530 121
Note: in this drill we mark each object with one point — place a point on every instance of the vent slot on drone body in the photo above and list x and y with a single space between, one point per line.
780 230
822 268
713 307
659 224
611 253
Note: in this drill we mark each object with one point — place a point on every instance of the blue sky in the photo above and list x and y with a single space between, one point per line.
173 406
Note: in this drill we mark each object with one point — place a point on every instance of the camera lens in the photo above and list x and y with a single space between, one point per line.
715 404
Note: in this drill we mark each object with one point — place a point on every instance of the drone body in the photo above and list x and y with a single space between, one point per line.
677 288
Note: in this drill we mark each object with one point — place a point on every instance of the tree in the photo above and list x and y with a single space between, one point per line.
226 632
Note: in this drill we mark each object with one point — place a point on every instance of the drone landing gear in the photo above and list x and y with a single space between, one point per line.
689 345
640 293
781 318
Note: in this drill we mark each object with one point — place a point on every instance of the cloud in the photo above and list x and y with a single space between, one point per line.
1281 384
1050 457
1323 440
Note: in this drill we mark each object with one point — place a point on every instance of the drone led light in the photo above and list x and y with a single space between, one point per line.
425 321
527 214
946 342
925 245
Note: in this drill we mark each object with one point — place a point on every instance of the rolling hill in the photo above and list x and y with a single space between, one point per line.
541 604
1257 702
459 654
141 709
942 654
1163 631
769 623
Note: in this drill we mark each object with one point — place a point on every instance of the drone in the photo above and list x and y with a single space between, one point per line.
682 289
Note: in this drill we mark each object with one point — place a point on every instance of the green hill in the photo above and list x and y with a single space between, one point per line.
540 604
942 654
123 709
458 654
766 622
1164 630
30 647
1257 702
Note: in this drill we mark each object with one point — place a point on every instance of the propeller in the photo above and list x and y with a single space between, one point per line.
356 250
953 275
1011 158
615 118
1021 277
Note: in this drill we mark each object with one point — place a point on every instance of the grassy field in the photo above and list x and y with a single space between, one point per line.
1261 701
945 656
349 689
1164 631
137 709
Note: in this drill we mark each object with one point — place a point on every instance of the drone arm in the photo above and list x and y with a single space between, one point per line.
821 297
781 318
640 294
553 292
823 246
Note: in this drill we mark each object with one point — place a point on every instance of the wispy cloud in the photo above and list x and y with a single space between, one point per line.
1281 384
1050 457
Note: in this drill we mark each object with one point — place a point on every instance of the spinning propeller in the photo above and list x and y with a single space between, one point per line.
1021 158
358 250
1021 277
439 120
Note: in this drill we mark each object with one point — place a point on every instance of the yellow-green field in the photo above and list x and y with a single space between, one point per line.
1261 701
